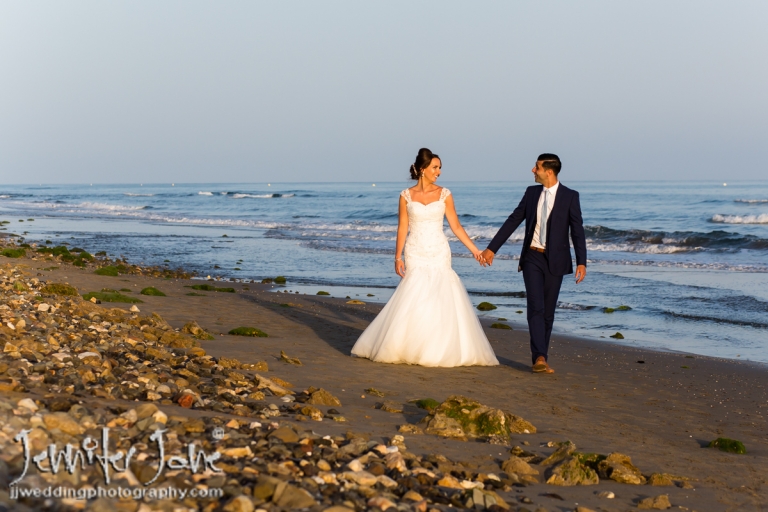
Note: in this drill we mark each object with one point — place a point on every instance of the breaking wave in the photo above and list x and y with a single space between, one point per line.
740 219
751 201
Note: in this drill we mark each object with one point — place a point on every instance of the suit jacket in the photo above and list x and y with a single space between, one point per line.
566 213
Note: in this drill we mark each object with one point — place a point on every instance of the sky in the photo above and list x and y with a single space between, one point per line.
307 91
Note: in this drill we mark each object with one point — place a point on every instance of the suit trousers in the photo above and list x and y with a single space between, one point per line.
541 290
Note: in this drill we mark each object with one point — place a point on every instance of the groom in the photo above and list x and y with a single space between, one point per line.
550 210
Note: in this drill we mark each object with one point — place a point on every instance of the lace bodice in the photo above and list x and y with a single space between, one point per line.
426 244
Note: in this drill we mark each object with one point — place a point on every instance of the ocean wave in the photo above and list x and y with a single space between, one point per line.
683 264
4 196
715 319
751 201
740 219
574 307
130 194
205 193
260 196
636 240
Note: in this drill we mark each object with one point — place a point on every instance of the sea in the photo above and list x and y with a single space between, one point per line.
688 260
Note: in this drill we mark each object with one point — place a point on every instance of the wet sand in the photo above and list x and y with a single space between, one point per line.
661 412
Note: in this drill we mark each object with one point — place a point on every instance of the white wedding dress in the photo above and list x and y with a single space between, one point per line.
429 320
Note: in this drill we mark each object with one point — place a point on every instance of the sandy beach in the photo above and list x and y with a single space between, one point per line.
661 409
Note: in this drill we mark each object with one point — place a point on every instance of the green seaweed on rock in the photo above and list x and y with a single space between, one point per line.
280 280
486 306
248 331
13 253
428 404
497 325
728 445
151 290
321 292
111 297
60 289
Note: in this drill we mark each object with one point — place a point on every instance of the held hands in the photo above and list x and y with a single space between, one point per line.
486 257
400 267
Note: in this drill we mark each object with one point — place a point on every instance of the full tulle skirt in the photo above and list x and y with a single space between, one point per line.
429 321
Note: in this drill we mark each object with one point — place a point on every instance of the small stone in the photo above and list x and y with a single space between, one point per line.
28 403
238 452
360 477
240 504
43 307
412 496
410 429
285 434
186 400
518 466
450 482
64 422
134 309
583 509
606 495
564 450
390 406
145 411
323 465
290 360
618 467
323 397
379 502
660 502
313 412
293 497
660 480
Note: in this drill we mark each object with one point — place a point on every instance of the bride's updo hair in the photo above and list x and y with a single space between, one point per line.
423 159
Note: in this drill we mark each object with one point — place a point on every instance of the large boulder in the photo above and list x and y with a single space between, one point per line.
460 417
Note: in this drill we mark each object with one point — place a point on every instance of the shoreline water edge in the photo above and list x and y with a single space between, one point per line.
260 383
667 270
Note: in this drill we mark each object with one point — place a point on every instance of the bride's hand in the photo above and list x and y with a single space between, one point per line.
400 268
479 257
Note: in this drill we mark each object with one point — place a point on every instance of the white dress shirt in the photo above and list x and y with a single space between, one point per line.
552 192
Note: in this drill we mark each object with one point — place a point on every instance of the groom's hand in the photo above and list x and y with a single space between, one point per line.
488 256
581 273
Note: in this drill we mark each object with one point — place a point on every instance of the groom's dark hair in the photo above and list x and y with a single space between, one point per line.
550 161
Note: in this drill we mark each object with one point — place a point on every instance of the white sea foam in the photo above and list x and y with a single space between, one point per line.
641 249
205 193
741 219
4 196
751 201
130 194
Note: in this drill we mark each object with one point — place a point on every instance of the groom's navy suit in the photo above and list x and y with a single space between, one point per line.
543 272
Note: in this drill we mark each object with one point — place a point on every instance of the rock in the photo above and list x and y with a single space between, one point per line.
396 461
518 466
572 472
360 477
617 336
28 403
195 330
660 502
486 306
564 450
618 467
290 360
186 400
323 397
412 496
450 482
473 420
291 497
497 325
444 426
313 412
582 509
237 452
264 382
410 429
145 411
483 500
43 307
389 406
338 508
728 445
381 503
134 309
606 494
239 504
248 331
63 422
285 434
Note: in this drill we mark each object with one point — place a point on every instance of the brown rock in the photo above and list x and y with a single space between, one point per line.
290 360
518 466
660 502
572 472
660 479
323 397
618 467
63 422
390 406
293 497
239 504
444 426
564 450
186 400
313 412
285 434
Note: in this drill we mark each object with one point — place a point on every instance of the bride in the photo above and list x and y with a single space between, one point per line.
429 320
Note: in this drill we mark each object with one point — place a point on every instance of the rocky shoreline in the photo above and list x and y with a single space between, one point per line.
70 367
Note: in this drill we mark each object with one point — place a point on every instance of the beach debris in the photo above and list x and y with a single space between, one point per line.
497 325
728 445
290 360
248 331
486 306
660 502
617 336
463 418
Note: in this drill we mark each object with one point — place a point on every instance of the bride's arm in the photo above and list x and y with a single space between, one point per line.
457 228
402 232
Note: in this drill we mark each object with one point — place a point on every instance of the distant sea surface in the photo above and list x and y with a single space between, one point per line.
689 259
